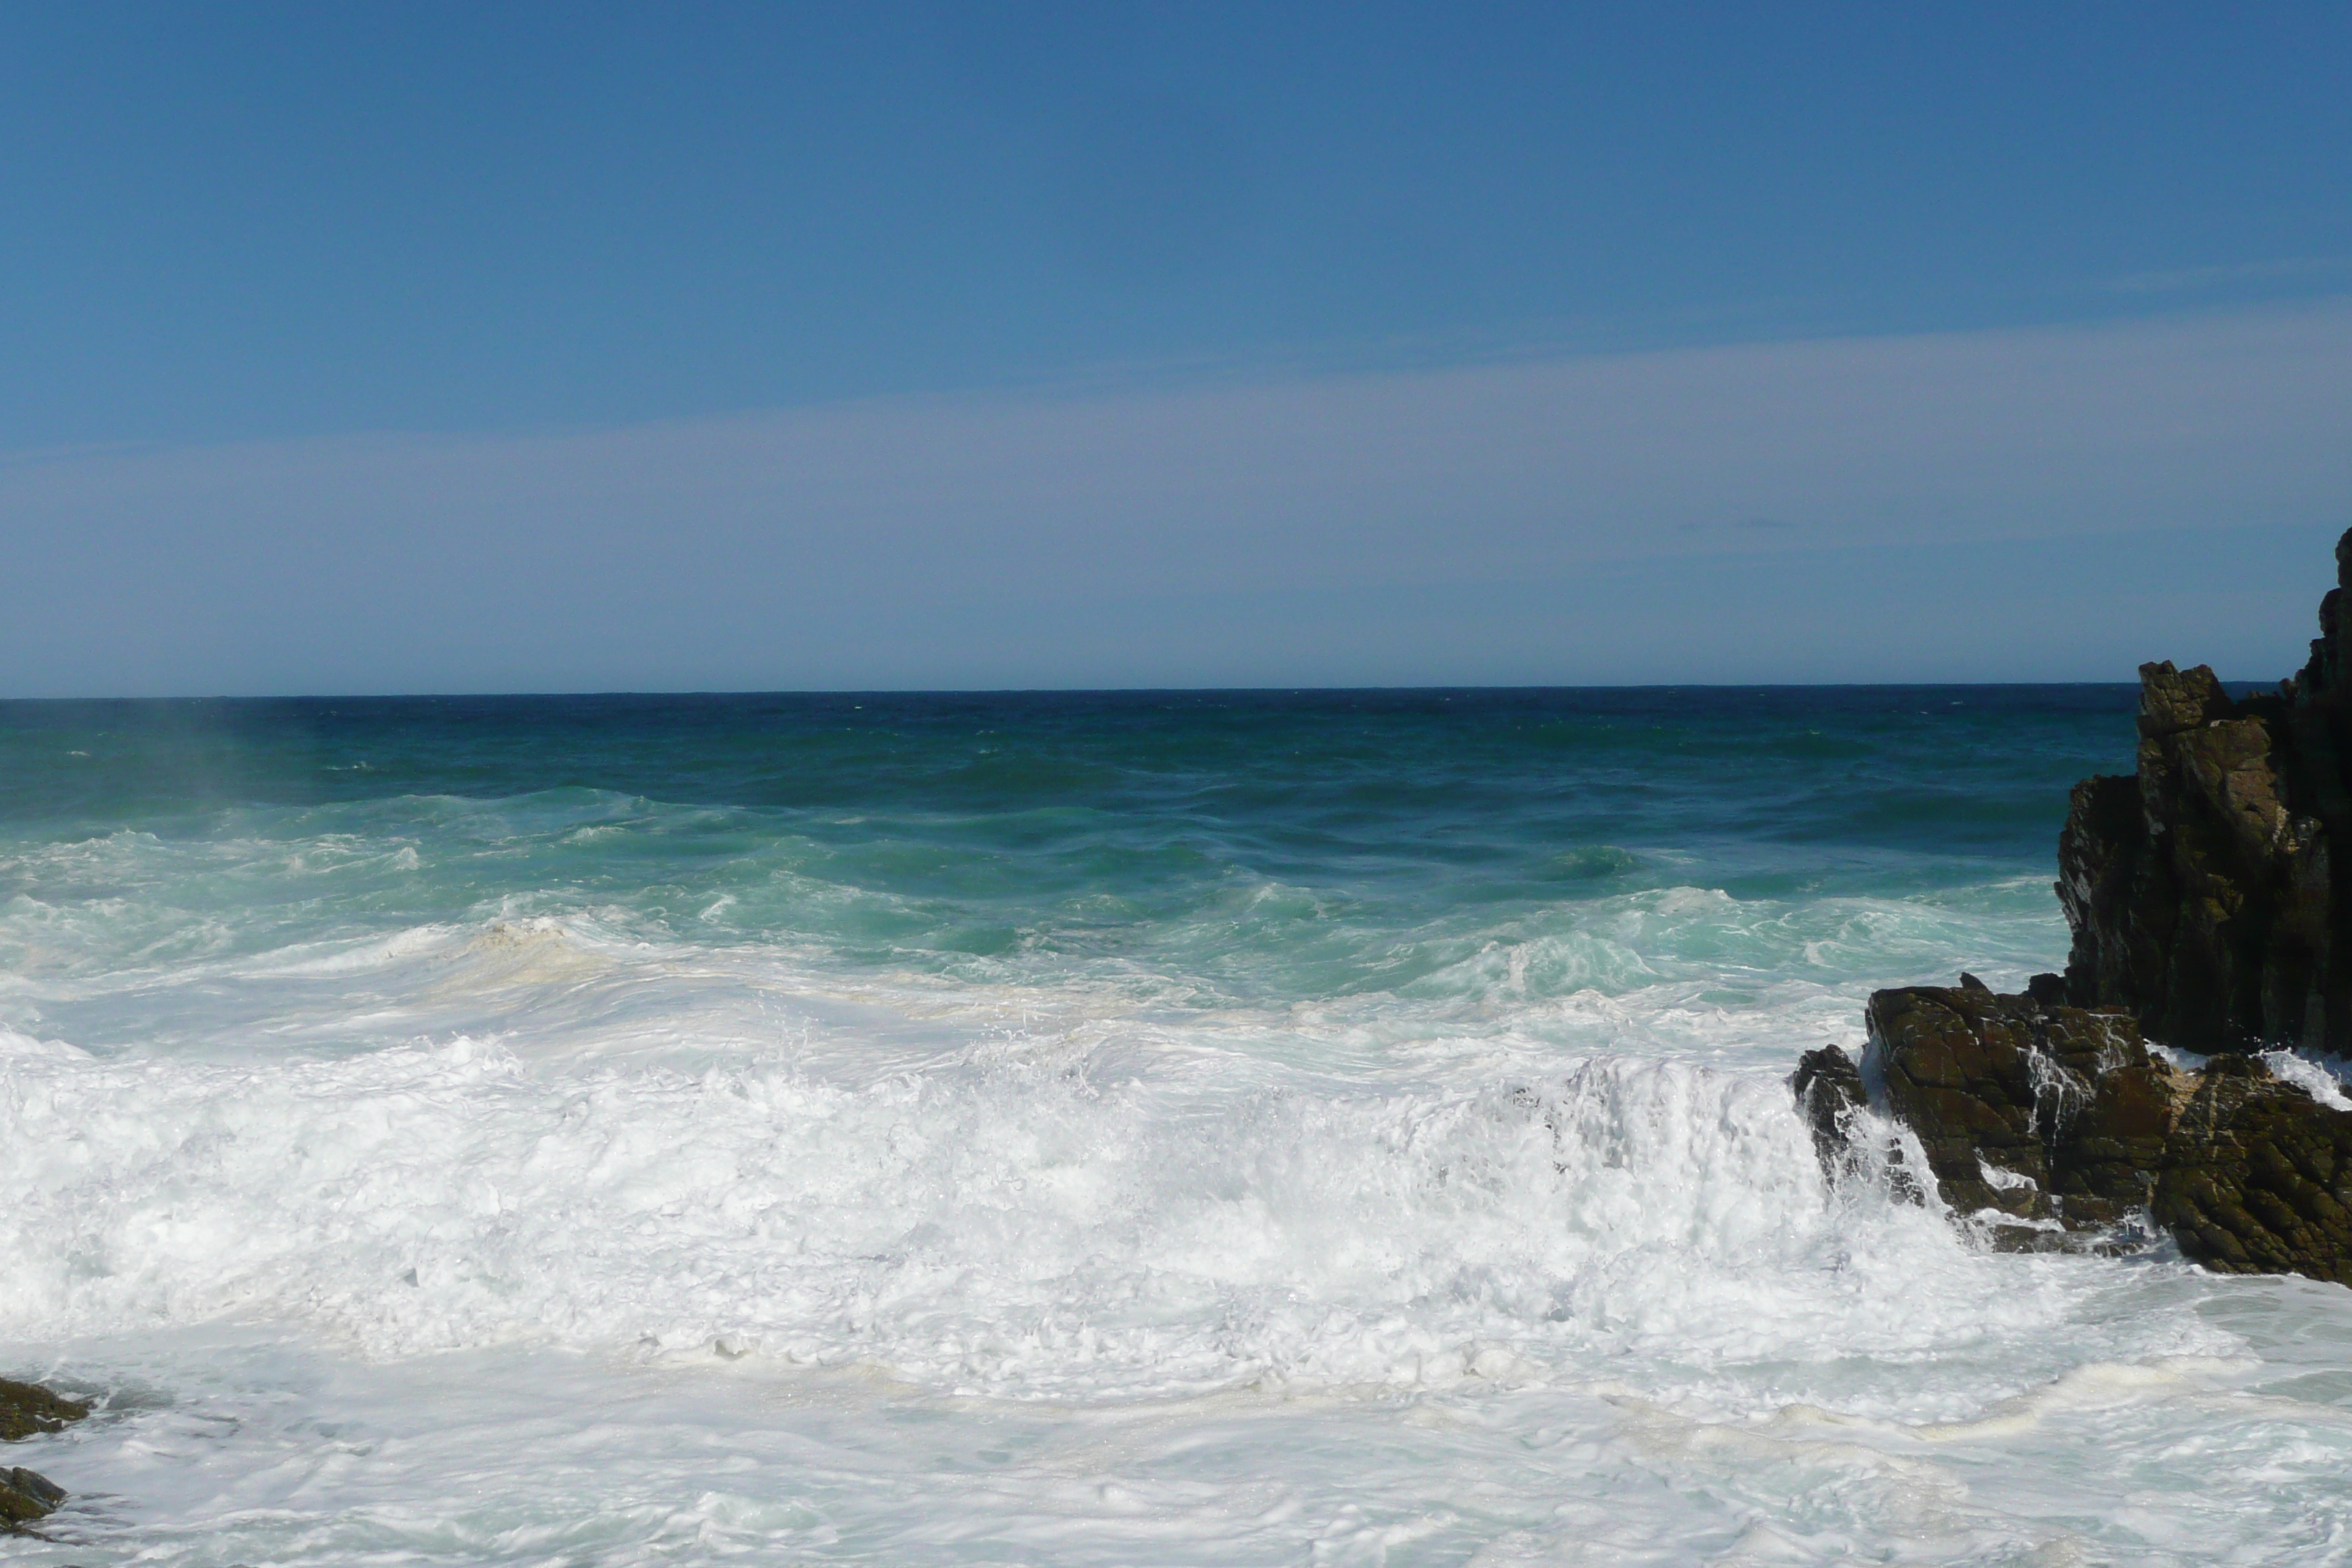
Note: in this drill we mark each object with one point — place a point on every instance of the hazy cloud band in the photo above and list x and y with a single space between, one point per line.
1552 521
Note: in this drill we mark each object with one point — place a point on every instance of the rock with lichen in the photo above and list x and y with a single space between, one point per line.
27 1496
28 1410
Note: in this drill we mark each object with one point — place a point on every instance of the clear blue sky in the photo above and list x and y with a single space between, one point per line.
306 312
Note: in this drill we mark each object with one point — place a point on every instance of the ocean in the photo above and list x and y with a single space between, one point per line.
1219 1128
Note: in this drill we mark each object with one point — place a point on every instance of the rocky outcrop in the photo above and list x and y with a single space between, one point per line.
2056 1125
2197 888
2206 914
2024 1106
26 1409
25 1496
2258 1175
2200 887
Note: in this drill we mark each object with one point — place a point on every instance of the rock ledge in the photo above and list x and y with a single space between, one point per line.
2057 1126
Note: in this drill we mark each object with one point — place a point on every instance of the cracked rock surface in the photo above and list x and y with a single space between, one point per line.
2206 914
2056 1124
2201 887
2030 1108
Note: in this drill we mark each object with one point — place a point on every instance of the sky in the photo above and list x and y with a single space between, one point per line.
413 347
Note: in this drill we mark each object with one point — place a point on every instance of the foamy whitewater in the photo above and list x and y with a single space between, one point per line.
1196 1128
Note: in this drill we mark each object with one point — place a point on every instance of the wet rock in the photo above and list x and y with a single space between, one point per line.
1828 1087
1830 1096
2258 1175
2054 1124
26 1408
2027 1108
2206 915
26 1496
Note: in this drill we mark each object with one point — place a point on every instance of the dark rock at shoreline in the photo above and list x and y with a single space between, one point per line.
2207 915
2258 1175
2028 1108
2056 1123
1828 1087
1830 1096
27 1496
2201 887
2198 896
26 1408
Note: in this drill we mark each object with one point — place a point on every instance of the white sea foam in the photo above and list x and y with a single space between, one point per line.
2324 1081
1033 1217
555 1229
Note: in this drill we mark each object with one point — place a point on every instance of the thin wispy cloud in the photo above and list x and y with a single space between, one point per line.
1151 535
2185 279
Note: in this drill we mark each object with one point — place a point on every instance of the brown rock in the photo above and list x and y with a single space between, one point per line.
2050 1121
2172 701
26 1408
2258 1177
2200 889
2024 1106
2198 898
2206 914
27 1496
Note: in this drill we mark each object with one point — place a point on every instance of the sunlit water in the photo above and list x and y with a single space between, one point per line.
1210 1129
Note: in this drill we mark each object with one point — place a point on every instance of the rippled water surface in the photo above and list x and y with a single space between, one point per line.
1196 1127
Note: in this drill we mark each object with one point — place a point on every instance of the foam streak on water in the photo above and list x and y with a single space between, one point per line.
1208 1129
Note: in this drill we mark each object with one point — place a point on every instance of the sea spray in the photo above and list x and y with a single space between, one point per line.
1220 1129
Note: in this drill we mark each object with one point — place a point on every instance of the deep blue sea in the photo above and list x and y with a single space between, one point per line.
1128 1128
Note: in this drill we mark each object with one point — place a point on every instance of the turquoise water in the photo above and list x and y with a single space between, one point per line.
1248 848
1197 1127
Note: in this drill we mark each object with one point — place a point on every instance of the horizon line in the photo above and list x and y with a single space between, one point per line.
1300 690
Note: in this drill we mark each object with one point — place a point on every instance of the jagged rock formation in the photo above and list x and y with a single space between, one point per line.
2206 915
2201 887
2024 1106
1829 1090
27 1409
2056 1122
2258 1178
